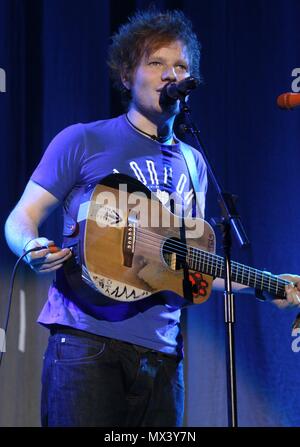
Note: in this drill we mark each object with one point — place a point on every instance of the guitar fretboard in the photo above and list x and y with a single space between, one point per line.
213 265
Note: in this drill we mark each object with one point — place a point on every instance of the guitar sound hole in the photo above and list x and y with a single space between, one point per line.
174 253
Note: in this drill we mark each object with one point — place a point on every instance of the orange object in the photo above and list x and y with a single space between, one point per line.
288 100
53 249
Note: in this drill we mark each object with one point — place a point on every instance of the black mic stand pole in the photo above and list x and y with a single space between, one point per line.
230 220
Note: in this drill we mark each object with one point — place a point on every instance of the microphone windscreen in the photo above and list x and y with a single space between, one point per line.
288 100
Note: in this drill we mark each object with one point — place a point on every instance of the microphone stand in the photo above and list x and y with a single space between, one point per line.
230 220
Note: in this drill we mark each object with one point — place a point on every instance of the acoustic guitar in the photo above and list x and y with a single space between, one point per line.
132 246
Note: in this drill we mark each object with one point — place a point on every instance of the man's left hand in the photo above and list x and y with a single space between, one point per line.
292 292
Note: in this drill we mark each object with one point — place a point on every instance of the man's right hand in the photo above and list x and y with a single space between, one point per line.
43 261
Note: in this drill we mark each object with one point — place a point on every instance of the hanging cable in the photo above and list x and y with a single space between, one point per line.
10 293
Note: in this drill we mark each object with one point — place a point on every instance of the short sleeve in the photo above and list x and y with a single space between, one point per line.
59 168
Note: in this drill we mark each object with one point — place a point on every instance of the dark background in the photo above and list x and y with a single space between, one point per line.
54 53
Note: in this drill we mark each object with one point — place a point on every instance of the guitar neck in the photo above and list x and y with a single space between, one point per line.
211 264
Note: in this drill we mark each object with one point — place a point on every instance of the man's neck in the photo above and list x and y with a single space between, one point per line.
158 126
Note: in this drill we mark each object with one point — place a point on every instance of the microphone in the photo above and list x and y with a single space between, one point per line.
178 90
288 100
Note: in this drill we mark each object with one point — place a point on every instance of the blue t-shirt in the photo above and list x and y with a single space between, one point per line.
84 153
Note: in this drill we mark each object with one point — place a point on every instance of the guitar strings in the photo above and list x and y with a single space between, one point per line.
271 288
208 258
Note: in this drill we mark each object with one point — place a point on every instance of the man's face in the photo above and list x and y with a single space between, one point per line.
169 63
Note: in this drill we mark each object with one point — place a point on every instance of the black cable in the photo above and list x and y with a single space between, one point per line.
10 294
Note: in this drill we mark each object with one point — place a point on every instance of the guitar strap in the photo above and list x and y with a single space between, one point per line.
192 168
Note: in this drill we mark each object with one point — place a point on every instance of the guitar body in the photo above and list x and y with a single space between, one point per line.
132 247
128 246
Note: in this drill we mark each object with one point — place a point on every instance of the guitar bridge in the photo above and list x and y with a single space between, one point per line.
129 239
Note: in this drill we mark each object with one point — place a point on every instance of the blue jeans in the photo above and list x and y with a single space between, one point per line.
90 380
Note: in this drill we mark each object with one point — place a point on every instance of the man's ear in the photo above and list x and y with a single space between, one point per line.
125 80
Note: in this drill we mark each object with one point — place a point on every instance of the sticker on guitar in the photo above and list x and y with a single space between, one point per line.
199 284
103 215
108 216
117 290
